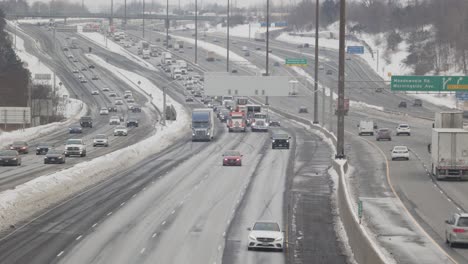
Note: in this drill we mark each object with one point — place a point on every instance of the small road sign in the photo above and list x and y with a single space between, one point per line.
355 50
296 62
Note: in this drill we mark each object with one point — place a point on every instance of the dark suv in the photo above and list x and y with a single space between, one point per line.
86 121
280 140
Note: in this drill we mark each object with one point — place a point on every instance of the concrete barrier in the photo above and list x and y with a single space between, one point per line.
364 250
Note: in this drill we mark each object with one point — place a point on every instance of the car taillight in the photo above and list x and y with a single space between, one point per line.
237 159
459 230
23 147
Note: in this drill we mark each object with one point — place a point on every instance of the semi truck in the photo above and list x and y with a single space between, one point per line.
449 153
166 58
449 119
146 54
73 43
346 106
180 44
237 122
153 50
144 45
259 36
203 127
182 66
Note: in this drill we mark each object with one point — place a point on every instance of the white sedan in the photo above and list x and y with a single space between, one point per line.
266 235
95 92
104 111
400 152
120 131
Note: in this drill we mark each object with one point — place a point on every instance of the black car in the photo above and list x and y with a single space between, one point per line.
136 109
417 102
132 122
91 66
10 157
275 123
402 105
21 146
54 156
188 99
42 148
86 121
280 140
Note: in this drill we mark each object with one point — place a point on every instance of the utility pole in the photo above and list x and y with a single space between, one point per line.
196 32
341 84
112 13
143 19
316 64
164 106
125 13
167 24
267 63
227 42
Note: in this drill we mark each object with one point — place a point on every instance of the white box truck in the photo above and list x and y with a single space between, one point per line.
449 119
146 54
260 36
449 152
210 56
182 66
166 58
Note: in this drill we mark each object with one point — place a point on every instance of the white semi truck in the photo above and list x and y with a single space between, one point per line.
449 119
449 151
166 58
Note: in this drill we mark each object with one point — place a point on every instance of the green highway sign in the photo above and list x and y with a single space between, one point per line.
429 83
296 62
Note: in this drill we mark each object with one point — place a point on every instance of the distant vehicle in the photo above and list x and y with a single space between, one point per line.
132 122
130 100
100 140
106 89
70 56
128 94
120 131
136 108
210 56
83 81
276 64
379 90
303 109
366 127
345 106
280 139
403 129
91 66
112 108
203 126
259 125
43 148
21 146
384 133
10 157
75 129
402 104
86 121
95 77
456 229
306 45
244 48
114 120
188 99
112 94
321 67
265 235
84 69
400 152
104 111
329 72
275 123
95 92
75 71
75 147
215 40
224 115
146 54
260 36
258 48
118 102
417 102
448 153
65 49
270 50
54 156
232 158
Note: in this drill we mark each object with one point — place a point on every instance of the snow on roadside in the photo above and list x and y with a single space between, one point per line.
110 45
242 30
73 109
36 195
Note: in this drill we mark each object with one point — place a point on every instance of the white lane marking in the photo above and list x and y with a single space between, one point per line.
173 211
122 204
78 238
181 203
441 192
109 213
134 195
163 223
219 247
95 224
60 254
224 234
142 251
144 188
458 208
154 235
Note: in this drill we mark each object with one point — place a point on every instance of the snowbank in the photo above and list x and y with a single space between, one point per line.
37 195
242 30
107 43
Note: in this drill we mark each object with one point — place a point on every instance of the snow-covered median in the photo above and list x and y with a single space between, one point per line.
110 45
36 195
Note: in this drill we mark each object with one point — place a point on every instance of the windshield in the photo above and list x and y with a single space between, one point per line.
280 136
8 152
74 141
260 116
264 226
232 153
54 152
19 143
100 136
200 125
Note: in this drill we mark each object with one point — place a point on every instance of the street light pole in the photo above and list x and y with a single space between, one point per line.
167 24
196 32
125 13
227 42
267 36
316 64
112 13
164 106
143 19
341 84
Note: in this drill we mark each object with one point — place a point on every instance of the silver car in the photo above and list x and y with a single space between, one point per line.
384 133
456 229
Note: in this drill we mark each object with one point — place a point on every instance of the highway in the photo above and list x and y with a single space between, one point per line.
182 206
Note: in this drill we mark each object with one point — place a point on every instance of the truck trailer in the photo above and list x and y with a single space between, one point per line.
449 153
449 119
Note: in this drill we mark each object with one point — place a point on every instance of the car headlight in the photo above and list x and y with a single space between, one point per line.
279 239
252 237
287 141
59 157
14 158
208 133
273 141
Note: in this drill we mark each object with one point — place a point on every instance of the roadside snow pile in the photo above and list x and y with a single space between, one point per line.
34 196
438 99
220 51
329 43
243 30
107 43
46 20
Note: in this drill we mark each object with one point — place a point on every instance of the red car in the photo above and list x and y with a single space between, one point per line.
20 146
232 158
